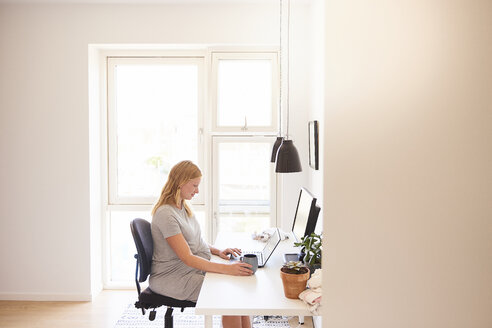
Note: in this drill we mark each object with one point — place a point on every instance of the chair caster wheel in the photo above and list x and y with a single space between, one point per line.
152 315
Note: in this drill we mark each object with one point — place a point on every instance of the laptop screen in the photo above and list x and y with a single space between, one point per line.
271 245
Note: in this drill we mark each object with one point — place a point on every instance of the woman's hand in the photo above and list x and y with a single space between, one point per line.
229 251
239 269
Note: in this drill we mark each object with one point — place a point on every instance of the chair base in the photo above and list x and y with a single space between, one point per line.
168 318
150 300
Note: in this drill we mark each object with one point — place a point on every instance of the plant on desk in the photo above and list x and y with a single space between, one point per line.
311 249
294 276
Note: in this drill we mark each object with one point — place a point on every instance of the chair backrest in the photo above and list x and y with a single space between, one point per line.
142 236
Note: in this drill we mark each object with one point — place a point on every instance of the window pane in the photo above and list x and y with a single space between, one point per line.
244 186
122 247
243 222
244 90
156 119
201 218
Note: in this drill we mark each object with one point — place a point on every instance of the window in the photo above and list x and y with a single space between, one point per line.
146 138
154 122
244 193
163 109
246 97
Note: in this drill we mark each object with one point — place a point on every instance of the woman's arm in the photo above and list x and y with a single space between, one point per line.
181 248
225 253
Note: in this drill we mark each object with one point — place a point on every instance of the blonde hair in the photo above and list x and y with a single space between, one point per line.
180 174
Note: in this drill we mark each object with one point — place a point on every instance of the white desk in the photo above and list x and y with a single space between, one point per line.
259 294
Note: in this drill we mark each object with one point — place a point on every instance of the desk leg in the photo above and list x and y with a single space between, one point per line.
208 321
301 319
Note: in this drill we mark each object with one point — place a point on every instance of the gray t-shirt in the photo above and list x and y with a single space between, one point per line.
169 276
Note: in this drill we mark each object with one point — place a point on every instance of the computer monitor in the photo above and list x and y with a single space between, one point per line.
306 215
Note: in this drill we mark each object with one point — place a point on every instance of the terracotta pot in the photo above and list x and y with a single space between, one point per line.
294 284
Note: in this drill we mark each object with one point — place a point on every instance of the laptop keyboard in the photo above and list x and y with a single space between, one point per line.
258 254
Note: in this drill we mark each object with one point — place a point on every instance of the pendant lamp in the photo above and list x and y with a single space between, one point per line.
276 145
284 151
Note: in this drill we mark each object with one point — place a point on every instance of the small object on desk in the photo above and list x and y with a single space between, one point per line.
250 259
294 276
265 235
291 257
283 235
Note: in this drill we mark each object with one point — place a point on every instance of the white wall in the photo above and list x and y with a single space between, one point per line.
316 109
316 100
44 205
408 157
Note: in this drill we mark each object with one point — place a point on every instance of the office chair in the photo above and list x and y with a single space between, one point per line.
147 299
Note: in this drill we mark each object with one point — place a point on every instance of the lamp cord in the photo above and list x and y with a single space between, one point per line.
280 66
288 64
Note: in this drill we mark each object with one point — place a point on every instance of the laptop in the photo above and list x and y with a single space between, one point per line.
266 252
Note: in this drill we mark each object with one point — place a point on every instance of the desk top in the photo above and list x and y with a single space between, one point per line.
259 294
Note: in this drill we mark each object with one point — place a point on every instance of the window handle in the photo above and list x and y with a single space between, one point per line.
245 127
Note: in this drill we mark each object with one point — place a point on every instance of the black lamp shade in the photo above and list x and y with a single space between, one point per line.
288 158
276 145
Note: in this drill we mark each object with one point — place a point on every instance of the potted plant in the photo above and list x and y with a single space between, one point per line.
294 276
311 250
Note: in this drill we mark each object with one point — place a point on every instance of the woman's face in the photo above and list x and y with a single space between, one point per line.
189 189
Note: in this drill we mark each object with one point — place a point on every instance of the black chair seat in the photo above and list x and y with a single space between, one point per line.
149 299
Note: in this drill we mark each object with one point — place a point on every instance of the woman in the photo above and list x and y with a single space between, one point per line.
181 256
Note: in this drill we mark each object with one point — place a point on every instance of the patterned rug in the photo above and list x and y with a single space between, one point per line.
133 318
